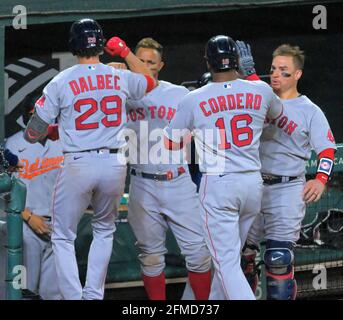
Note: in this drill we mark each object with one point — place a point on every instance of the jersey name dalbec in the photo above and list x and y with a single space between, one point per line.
98 82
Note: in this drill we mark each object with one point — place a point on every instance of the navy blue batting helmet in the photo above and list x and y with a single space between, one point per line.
84 35
204 79
221 53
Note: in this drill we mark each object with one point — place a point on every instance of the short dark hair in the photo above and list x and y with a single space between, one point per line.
291 51
150 43
88 53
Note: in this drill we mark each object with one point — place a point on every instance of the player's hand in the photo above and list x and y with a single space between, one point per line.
117 47
38 224
118 65
313 190
19 168
246 60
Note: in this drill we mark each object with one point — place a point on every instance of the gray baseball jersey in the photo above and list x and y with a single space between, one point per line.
88 97
88 101
147 118
227 120
285 146
155 206
287 142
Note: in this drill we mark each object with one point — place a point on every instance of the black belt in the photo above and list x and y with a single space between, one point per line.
96 150
157 176
272 179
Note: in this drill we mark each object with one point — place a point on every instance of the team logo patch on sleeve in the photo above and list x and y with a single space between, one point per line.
330 136
325 166
40 101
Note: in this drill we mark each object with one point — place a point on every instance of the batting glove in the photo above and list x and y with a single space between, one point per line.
117 47
246 60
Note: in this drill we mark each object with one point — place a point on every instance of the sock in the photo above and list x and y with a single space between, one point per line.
155 287
200 283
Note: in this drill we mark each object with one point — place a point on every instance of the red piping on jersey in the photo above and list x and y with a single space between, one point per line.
252 77
327 153
151 83
209 234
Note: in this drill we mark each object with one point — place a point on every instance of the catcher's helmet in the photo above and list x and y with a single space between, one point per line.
221 53
84 35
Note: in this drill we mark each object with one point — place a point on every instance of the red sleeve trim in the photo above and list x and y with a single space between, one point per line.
151 84
252 77
171 145
53 132
327 153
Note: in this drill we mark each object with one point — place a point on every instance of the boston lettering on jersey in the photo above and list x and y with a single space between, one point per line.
97 82
284 123
152 112
231 102
40 166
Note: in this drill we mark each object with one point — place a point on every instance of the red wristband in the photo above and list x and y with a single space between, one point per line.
252 77
322 177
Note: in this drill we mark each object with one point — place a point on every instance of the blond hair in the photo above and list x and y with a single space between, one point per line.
150 43
291 51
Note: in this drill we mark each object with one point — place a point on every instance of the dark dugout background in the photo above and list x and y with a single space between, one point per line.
184 37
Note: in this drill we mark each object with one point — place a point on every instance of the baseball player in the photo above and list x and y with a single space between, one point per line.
41 162
88 101
226 117
162 194
285 147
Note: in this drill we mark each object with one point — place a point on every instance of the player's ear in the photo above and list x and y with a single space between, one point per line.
161 65
298 74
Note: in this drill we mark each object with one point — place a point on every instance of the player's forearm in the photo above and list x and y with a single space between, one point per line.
171 145
137 65
37 129
326 161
